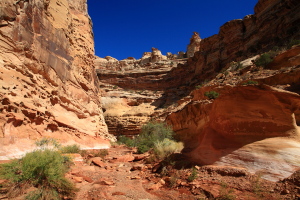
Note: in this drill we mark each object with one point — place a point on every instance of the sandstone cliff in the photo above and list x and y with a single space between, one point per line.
274 23
48 83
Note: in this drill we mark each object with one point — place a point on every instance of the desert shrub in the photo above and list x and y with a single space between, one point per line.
165 148
75 148
226 193
43 169
263 60
193 175
212 94
198 86
48 143
236 66
151 133
292 43
250 83
101 153
126 140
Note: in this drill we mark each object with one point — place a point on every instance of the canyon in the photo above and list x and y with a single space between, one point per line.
53 86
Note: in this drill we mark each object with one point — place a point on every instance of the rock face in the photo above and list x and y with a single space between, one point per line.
247 126
48 83
194 45
134 89
274 23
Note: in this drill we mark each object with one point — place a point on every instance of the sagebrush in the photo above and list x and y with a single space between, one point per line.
43 169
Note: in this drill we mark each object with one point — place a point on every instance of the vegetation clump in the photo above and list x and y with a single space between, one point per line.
156 136
264 60
43 169
250 82
193 175
212 94
293 43
75 148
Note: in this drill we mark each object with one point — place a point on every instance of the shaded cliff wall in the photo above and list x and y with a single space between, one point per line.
49 86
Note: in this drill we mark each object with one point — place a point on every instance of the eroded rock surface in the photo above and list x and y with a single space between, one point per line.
48 83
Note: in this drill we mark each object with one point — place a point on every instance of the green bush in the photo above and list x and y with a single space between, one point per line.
292 43
250 83
126 140
193 175
212 94
151 133
43 169
263 60
198 86
75 148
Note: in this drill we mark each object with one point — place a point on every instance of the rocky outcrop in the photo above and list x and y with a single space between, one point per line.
194 45
48 83
274 23
148 59
247 126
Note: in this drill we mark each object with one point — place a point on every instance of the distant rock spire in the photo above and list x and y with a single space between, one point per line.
194 45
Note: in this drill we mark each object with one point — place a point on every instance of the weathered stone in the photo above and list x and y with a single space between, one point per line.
47 56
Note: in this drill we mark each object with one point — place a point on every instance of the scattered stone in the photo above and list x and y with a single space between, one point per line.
125 158
98 161
78 179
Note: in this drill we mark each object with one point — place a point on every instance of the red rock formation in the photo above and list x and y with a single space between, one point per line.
274 23
247 126
49 87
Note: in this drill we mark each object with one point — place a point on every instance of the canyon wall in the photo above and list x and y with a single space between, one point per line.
250 125
48 83
274 23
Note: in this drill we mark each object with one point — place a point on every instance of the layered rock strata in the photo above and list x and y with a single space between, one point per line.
247 126
274 23
48 83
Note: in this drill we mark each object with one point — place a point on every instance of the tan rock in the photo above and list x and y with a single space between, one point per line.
47 57
194 45
125 158
98 161
77 179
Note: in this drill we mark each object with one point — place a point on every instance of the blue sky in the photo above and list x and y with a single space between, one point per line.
127 28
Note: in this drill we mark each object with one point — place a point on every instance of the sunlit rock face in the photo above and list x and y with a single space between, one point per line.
274 23
48 83
246 126
194 45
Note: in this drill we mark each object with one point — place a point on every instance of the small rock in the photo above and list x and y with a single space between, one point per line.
285 192
162 181
98 161
125 158
118 193
137 167
135 177
155 186
78 179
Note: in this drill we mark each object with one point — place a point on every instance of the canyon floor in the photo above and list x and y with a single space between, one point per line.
123 174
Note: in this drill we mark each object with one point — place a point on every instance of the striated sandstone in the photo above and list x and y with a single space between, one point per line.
48 83
247 126
274 23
